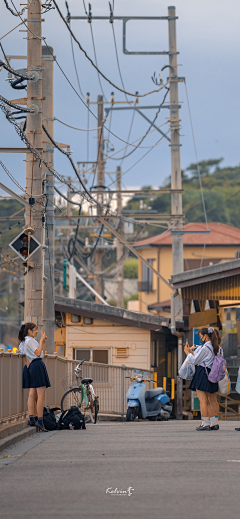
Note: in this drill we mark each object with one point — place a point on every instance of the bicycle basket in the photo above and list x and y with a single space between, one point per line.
69 381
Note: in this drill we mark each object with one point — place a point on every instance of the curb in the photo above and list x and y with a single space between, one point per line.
17 437
111 418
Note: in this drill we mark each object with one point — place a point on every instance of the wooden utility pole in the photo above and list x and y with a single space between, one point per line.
34 275
48 156
176 183
98 254
120 298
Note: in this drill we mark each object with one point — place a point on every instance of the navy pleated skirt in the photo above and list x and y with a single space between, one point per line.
25 378
38 375
201 382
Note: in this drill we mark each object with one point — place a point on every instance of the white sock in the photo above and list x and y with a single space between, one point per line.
216 418
205 421
213 421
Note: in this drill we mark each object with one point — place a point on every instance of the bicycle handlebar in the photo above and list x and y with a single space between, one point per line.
80 363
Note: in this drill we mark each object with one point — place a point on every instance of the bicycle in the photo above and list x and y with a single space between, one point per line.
81 395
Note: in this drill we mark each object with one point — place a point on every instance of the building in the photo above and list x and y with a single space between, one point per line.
111 335
200 250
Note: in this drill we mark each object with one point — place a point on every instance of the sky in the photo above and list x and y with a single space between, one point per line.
209 44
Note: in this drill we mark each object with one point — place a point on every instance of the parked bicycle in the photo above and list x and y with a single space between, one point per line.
81 394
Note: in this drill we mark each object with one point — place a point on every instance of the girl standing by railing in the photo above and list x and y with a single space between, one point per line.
36 376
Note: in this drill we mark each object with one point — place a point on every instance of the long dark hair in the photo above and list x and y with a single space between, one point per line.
214 337
24 330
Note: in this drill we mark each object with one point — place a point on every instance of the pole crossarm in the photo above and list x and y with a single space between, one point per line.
134 251
14 195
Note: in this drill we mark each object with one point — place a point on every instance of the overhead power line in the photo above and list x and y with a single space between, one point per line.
79 129
74 89
11 11
91 61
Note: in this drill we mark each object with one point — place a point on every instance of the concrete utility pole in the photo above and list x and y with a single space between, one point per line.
48 155
120 298
98 254
34 275
176 183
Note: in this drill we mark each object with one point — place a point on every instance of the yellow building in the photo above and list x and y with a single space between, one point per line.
200 250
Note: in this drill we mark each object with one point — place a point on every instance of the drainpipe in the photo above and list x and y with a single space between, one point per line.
179 411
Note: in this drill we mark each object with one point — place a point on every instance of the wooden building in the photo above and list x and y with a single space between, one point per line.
111 335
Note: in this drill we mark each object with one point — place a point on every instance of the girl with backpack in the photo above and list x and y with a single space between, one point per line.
36 376
203 357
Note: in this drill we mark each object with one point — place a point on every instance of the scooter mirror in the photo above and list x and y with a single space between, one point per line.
124 367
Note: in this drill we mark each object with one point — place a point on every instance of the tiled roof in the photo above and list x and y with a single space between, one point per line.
221 234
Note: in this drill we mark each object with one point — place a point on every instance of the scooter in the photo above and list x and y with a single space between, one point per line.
153 404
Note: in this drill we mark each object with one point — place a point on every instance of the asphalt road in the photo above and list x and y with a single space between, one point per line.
173 471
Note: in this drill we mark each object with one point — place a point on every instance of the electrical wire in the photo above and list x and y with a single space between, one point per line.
195 149
29 77
12 177
75 66
12 12
5 57
11 31
66 77
95 56
91 61
79 129
139 160
118 64
147 132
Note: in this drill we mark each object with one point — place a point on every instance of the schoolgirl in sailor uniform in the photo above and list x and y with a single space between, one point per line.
202 357
36 377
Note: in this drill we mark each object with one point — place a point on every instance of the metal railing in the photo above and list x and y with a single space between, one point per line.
109 383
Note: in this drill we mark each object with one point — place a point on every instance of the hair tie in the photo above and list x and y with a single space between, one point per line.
210 330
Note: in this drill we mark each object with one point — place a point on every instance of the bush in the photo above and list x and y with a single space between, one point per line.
131 268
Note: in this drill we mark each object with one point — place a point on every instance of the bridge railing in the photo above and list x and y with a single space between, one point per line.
109 382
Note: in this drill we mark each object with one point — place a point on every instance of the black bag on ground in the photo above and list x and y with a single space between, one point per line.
72 419
49 419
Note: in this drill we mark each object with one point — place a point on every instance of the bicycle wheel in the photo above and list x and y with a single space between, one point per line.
71 397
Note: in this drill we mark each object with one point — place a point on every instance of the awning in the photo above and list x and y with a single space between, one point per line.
216 282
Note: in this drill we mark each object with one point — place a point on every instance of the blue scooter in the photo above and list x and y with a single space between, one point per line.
153 404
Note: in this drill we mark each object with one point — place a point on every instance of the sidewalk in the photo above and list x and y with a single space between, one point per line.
175 472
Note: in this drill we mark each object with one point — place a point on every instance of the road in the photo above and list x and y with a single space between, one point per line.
173 471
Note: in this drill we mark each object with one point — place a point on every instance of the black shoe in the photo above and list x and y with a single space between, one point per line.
32 423
40 427
237 429
204 428
215 427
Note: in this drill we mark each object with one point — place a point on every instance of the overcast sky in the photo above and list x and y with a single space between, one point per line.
209 44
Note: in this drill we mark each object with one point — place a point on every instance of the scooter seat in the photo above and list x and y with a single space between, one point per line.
152 393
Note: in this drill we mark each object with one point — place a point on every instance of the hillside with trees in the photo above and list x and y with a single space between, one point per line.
221 190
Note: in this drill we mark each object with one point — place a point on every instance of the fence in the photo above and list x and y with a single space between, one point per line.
109 383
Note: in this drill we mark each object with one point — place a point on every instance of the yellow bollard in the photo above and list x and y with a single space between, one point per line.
164 384
172 388
155 378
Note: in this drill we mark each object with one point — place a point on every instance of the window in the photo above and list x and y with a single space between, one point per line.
229 314
146 285
75 318
100 356
237 313
81 354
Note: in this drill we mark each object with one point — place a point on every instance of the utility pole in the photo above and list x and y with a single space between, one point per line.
98 255
34 274
48 156
176 183
120 298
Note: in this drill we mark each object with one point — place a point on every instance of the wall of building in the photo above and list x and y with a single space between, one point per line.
117 339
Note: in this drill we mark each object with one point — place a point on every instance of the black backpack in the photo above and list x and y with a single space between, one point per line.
72 419
49 419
